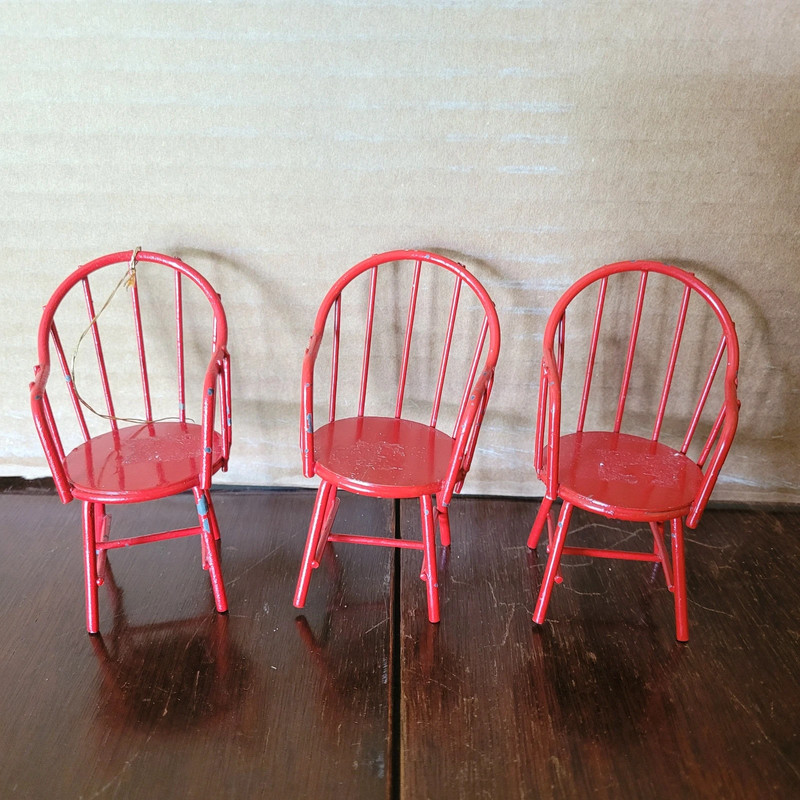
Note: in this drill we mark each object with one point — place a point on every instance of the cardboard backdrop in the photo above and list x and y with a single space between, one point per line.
272 145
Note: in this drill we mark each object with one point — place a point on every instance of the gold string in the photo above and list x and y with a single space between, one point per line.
128 280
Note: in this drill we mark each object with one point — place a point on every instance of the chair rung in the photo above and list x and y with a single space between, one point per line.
625 555
375 540
150 537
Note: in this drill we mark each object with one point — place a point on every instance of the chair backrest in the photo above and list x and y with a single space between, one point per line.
412 335
125 295
648 349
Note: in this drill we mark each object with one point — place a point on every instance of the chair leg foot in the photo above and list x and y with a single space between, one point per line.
215 573
679 580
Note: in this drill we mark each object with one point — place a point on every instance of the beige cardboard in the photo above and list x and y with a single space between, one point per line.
272 145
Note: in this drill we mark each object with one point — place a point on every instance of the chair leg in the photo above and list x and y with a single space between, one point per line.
102 523
443 518
658 549
212 515
679 578
553 563
538 523
551 535
210 547
208 521
429 575
90 568
310 552
331 508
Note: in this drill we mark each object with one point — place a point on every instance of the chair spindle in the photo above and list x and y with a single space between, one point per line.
98 348
362 395
673 358
626 375
448 341
412 310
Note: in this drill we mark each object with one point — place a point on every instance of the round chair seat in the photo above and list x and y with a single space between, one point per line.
627 477
139 462
382 456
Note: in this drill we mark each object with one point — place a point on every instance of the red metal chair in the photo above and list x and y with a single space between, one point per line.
156 455
395 455
626 475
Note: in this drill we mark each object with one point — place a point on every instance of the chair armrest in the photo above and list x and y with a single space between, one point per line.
307 405
548 427
467 435
45 427
720 453
217 380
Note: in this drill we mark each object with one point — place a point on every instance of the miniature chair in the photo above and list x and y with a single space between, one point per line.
155 455
621 475
394 455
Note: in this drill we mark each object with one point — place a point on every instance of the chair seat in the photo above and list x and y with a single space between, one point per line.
139 462
382 456
627 477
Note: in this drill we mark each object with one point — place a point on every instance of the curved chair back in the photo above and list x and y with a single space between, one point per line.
414 340
84 305
412 335
661 363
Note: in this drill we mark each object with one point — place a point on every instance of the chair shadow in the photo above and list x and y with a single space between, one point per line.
577 667
170 677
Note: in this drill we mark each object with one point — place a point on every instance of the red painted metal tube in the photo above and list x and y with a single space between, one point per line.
448 342
673 358
115 544
380 541
180 348
626 376
362 394
98 348
135 477
412 310
587 382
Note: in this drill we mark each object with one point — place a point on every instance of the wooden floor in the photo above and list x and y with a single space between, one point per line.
359 696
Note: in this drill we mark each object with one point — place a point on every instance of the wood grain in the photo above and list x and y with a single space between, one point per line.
174 700
601 701
360 697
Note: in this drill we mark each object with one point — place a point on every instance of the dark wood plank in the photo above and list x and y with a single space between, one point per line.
601 701
173 700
